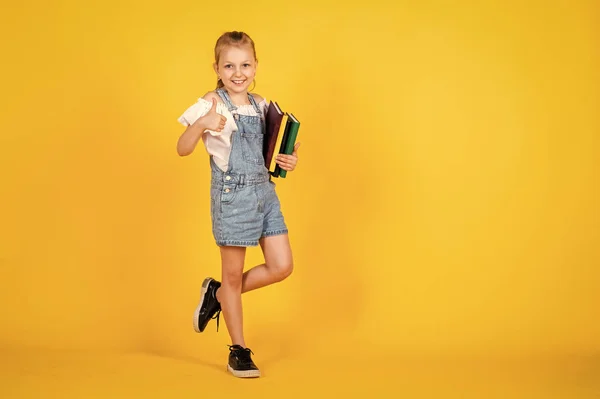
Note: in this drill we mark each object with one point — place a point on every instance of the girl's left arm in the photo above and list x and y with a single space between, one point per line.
288 162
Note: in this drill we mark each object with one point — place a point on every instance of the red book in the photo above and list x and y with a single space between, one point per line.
273 120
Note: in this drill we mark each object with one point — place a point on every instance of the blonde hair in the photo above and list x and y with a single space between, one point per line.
233 38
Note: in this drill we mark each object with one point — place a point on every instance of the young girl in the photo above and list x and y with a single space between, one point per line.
245 209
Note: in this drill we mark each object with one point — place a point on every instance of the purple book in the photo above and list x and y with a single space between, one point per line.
273 120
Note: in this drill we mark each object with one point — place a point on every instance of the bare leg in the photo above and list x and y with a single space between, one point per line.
230 292
278 264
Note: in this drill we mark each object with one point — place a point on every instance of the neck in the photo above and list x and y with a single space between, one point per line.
238 98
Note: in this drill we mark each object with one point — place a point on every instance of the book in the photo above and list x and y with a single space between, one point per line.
288 141
273 126
278 143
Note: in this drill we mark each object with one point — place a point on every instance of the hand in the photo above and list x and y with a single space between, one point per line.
288 162
212 120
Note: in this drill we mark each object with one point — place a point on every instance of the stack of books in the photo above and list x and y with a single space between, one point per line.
281 132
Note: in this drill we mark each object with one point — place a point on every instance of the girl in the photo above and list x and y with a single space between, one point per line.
245 209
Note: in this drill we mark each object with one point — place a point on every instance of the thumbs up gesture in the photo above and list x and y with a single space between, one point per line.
212 120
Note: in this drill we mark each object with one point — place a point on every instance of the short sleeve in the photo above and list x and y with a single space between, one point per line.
198 110
263 106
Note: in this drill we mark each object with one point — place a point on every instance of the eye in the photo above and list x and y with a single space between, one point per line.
228 66
246 65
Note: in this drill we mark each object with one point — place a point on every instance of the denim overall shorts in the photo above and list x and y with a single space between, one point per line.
244 204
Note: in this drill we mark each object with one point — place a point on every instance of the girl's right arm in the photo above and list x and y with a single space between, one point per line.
211 121
189 138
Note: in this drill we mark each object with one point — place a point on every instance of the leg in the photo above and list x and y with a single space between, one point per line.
278 264
230 292
277 267
240 362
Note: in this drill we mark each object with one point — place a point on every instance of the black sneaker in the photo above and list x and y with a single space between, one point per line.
240 362
209 307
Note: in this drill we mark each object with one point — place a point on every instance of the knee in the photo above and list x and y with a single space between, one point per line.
283 270
232 279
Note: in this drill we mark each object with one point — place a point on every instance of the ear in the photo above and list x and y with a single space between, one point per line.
216 68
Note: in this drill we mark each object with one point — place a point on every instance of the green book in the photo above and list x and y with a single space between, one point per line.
290 134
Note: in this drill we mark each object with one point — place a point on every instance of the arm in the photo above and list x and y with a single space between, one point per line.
212 120
189 138
288 162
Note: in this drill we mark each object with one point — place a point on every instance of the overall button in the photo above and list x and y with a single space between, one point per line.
227 190
228 178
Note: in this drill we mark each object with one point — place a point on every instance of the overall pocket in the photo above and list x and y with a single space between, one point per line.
252 148
227 193
251 138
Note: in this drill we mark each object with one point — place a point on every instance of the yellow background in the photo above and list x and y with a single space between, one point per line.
445 202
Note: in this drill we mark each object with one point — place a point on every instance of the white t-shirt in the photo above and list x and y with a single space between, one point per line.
218 144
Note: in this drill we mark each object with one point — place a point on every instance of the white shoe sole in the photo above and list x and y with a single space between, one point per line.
244 373
197 312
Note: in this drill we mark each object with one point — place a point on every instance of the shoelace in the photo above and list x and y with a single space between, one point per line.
243 354
216 316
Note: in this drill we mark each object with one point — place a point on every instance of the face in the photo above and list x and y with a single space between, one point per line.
236 68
